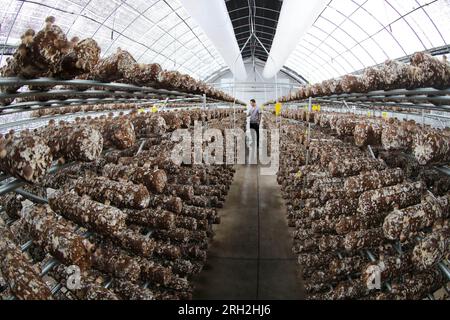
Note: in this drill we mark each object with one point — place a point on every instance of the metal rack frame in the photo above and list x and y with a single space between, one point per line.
441 266
86 92
9 184
15 185
437 120
422 98
95 113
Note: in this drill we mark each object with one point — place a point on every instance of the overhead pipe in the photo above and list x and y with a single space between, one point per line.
296 17
213 17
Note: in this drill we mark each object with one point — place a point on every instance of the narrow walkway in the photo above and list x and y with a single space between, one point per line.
250 257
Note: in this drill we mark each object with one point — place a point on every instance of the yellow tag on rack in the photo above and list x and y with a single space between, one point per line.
298 175
142 110
316 107
154 109
278 107
385 115
369 114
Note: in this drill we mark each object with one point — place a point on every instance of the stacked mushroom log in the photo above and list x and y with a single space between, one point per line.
406 143
424 71
134 223
352 213
86 108
26 156
48 53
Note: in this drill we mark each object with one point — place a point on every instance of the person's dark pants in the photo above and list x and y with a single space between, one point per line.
255 126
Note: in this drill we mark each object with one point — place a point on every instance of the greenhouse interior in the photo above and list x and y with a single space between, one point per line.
230 150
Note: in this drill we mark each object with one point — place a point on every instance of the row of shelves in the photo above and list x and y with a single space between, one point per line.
415 99
80 92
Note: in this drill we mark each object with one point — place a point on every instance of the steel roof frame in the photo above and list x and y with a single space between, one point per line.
370 37
95 21
265 34
137 41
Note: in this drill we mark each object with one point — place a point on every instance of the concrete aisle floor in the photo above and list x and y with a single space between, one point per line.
250 256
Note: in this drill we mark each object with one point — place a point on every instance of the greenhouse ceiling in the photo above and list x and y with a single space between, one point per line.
347 36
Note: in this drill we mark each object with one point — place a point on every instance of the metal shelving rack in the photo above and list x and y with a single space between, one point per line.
84 94
438 100
443 266
422 98
425 99
15 185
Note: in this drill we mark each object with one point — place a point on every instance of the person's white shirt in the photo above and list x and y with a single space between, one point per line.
254 114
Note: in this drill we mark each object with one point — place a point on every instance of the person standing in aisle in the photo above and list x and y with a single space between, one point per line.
255 118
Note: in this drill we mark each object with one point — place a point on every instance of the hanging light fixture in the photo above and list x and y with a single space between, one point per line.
213 18
296 17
